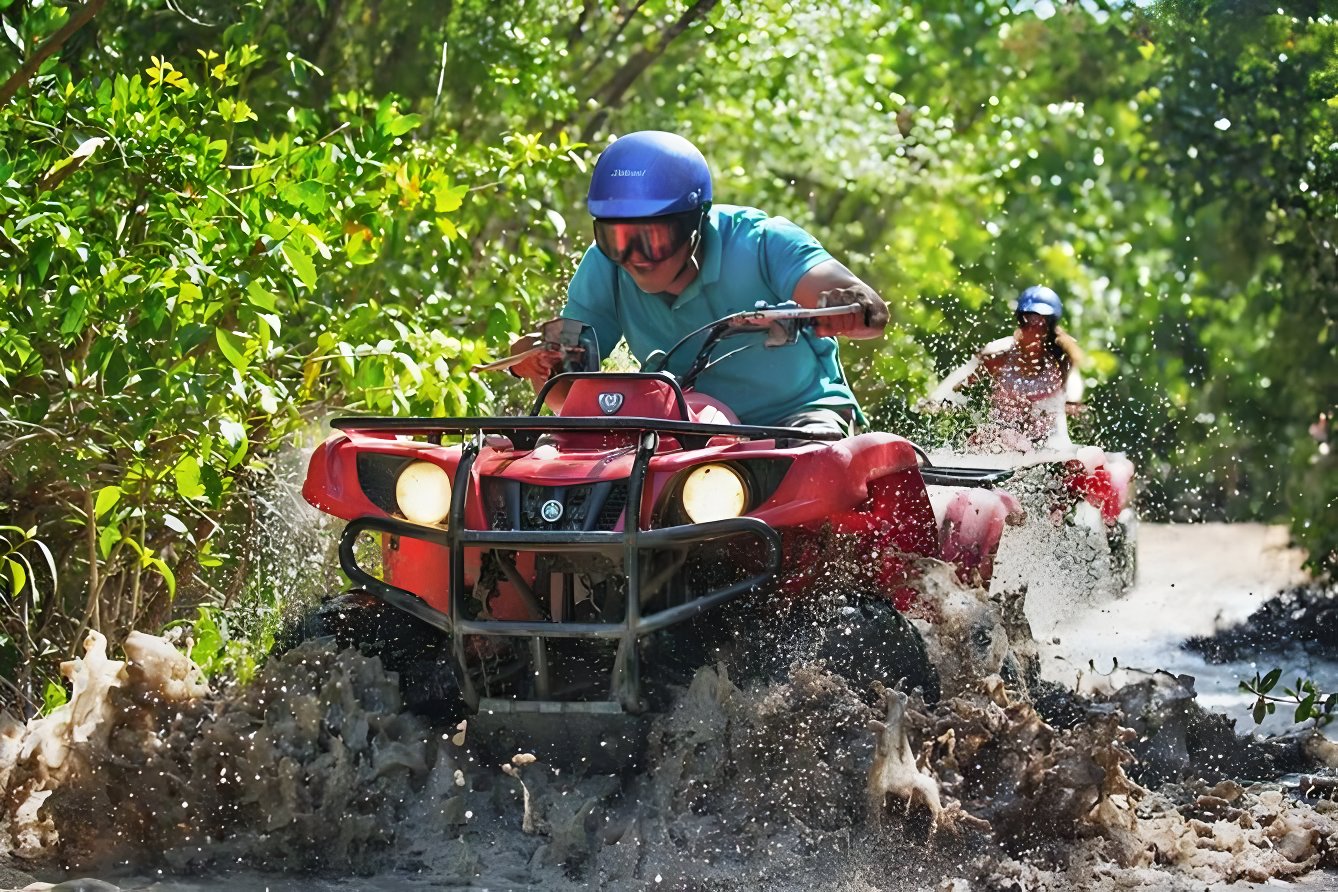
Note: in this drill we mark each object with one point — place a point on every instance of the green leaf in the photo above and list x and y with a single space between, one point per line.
301 264
54 696
232 348
208 641
447 198
559 222
309 194
106 499
108 536
259 297
18 576
12 34
235 111
1269 681
187 475
398 125
168 576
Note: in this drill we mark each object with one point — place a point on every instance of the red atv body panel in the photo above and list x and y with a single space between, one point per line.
537 542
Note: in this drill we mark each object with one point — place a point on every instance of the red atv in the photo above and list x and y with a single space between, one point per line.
548 564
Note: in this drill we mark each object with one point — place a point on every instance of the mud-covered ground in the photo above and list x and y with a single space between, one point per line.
314 777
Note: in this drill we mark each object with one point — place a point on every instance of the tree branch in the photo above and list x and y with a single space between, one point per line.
50 46
611 93
612 42
578 28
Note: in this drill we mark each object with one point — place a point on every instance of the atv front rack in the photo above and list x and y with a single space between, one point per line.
625 683
692 434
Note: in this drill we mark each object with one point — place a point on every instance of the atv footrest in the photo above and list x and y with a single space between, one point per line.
943 475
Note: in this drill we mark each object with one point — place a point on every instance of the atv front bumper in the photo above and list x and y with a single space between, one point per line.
635 545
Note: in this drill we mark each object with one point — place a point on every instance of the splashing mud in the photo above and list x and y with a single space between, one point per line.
309 767
1082 571
782 785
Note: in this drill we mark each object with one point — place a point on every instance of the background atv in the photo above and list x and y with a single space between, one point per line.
1080 521
534 572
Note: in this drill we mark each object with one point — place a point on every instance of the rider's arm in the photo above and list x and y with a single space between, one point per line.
946 390
830 284
538 367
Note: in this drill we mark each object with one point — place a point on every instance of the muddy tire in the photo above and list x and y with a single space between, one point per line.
864 640
418 653
869 640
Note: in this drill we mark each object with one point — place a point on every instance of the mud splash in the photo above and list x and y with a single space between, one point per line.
1082 569
308 768
787 785
1305 616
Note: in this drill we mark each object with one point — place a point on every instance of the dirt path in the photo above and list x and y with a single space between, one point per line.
1192 580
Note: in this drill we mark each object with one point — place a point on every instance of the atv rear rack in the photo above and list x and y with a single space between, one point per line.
944 475
625 684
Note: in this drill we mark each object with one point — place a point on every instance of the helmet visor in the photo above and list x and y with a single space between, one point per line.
653 239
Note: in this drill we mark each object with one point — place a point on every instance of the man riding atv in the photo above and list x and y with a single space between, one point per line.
557 575
666 263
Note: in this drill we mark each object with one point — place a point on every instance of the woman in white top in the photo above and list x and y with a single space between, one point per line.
1034 376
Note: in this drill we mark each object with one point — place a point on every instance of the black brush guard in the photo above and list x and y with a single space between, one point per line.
625 679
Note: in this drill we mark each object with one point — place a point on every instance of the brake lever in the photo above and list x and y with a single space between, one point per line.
507 362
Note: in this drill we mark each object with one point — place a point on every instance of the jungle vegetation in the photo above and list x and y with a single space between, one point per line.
221 222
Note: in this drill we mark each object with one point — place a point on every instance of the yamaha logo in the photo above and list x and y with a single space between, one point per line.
624 172
610 403
551 511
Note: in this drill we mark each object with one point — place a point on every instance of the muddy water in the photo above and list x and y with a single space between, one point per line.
1193 580
314 778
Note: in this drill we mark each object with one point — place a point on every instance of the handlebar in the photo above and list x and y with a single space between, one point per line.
767 315
782 324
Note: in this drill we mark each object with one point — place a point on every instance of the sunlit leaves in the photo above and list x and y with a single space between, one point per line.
300 261
163 72
235 111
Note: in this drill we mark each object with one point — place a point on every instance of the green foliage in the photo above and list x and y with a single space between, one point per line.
183 280
218 649
54 696
28 577
1310 703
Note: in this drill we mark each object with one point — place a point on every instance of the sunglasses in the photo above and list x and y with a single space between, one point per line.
654 239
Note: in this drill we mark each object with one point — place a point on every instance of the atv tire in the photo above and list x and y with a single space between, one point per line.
419 654
863 641
870 640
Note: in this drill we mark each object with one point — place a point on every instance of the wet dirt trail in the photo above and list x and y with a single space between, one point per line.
1193 579
314 779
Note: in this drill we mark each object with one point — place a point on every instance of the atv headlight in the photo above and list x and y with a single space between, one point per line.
714 492
423 492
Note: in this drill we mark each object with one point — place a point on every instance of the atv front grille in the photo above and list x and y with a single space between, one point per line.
584 507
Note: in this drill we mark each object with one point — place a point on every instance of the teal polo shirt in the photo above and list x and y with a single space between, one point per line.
748 257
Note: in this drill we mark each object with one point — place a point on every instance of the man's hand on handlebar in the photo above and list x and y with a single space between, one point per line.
543 359
870 323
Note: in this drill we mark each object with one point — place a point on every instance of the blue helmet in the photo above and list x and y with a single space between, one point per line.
1039 299
648 174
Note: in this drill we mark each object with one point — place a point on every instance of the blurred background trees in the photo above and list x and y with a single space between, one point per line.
221 220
